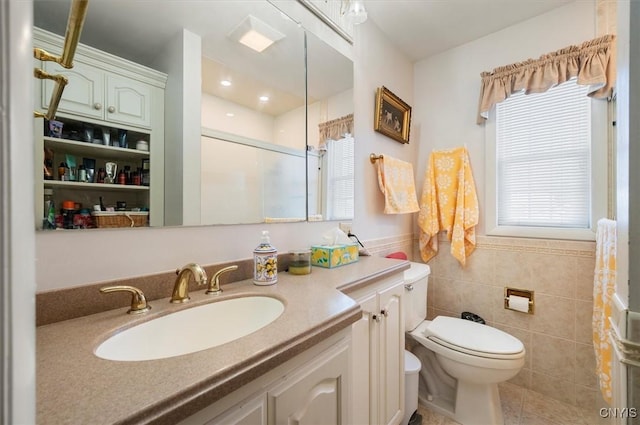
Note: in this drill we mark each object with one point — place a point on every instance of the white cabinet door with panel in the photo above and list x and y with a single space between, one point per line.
311 388
316 394
128 101
378 354
364 354
391 349
84 92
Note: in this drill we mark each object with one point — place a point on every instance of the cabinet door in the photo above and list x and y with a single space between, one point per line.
364 350
391 348
128 101
83 95
315 395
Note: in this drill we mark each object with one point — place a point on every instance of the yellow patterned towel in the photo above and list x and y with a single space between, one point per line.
448 202
604 282
395 178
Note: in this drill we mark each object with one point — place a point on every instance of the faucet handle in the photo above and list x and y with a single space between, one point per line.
214 284
138 300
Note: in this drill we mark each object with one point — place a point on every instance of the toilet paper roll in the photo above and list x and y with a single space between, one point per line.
519 303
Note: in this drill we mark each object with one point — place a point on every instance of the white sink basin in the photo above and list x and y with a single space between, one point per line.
193 329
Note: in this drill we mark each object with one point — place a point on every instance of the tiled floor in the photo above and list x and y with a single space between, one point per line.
524 407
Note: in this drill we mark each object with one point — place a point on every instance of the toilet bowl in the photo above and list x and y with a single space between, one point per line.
462 361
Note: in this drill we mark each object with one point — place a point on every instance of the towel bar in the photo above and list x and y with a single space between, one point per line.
373 158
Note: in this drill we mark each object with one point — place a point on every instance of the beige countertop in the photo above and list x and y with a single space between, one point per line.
76 387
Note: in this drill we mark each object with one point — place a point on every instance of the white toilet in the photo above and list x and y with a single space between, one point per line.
462 361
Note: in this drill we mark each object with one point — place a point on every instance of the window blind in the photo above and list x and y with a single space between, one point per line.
340 178
543 158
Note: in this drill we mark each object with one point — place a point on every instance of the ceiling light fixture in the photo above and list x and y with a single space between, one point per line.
225 83
256 34
356 12
230 114
264 98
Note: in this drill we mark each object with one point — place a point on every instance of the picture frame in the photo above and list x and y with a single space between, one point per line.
393 115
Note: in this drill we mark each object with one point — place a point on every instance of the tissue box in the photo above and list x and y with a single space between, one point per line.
330 256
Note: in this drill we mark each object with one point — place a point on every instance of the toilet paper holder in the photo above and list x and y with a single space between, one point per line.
525 293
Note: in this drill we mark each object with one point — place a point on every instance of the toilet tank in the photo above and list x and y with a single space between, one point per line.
417 277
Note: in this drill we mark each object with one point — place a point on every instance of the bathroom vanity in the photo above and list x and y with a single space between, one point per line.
299 366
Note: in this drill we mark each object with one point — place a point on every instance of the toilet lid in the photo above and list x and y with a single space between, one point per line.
416 272
473 338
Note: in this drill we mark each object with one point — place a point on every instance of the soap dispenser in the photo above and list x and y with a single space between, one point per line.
265 262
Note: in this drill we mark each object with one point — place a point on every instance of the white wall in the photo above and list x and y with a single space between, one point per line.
335 107
623 161
289 129
232 183
378 63
181 60
17 253
245 122
447 85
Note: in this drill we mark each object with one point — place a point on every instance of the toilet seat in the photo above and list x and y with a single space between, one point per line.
473 338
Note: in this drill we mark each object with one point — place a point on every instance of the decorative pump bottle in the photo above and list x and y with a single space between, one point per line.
265 262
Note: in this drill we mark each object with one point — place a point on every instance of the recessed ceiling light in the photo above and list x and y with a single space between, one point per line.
264 98
255 40
225 83
256 34
230 114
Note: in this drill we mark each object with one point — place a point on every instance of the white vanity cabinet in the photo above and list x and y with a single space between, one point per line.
311 388
378 354
105 93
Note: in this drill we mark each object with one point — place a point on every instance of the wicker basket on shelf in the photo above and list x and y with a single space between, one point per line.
120 218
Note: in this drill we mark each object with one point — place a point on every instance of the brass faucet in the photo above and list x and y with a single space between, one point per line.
181 286
214 283
138 301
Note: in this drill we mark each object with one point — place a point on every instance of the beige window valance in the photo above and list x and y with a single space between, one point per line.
592 62
336 129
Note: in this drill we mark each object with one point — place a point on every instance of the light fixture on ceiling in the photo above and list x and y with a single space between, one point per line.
356 12
230 114
256 34
225 83
264 98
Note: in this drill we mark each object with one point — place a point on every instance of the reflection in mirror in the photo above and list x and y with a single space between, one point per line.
251 151
253 109
330 132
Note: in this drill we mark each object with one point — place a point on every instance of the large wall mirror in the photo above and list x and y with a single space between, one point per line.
276 140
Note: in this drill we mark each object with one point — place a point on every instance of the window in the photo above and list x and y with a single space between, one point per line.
340 178
546 164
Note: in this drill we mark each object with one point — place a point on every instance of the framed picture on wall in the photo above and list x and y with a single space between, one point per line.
393 115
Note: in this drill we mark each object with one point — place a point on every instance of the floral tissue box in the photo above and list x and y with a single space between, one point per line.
330 256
